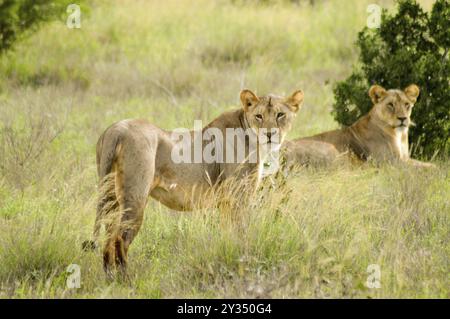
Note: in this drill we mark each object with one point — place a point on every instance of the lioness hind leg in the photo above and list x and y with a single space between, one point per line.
109 252
135 170
130 224
122 231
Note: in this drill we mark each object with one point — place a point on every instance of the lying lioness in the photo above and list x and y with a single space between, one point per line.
143 161
303 152
382 134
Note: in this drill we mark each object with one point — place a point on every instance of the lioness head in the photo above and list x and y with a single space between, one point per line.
393 107
270 116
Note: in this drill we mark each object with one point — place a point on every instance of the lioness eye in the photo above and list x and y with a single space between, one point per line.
391 106
407 106
280 115
259 117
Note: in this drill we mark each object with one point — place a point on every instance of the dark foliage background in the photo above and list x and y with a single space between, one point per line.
19 17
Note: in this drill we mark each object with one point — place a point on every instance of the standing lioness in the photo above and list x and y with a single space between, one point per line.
143 162
382 134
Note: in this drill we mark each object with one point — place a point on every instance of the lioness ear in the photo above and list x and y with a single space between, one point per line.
377 93
412 92
248 99
295 100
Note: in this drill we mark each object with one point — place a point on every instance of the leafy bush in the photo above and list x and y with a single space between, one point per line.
411 46
20 16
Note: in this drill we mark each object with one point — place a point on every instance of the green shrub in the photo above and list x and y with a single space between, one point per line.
411 46
17 17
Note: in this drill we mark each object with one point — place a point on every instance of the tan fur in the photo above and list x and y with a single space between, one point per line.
309 153
382 134
138 155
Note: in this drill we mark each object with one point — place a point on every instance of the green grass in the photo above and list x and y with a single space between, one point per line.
171 63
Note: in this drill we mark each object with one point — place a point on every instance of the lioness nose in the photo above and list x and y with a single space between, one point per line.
402 118
269 135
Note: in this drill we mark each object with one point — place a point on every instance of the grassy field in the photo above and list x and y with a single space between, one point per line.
173 62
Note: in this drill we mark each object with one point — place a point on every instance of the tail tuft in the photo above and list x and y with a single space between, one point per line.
89 245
